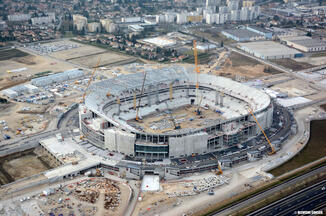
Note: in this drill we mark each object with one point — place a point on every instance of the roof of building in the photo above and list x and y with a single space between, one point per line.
260 29
269 48
309 42
242 33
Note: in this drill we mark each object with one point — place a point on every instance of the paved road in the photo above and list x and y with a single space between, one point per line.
66 125
268 193
308 199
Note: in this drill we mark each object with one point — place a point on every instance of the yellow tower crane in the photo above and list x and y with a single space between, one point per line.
90 80
262 130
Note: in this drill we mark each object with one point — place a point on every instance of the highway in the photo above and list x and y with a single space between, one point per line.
312 198
262 195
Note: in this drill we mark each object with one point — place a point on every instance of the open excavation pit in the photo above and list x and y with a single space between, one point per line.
24 164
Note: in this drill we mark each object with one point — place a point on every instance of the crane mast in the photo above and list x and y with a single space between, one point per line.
262 130
91 79
196 68
141 94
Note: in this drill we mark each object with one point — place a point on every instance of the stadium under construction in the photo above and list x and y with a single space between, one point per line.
176 114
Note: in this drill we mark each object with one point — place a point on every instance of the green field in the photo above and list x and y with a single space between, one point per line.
11 53
314 150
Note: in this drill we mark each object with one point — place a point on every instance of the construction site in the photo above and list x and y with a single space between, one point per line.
137 139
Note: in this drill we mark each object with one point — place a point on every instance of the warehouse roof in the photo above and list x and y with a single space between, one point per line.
242 33
269 48
310 42
259 29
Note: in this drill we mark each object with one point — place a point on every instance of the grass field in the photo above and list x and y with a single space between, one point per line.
314 150
11 53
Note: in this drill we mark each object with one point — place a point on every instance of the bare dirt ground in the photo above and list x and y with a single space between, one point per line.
33 63
29 123
106 58
152 201
18 168
88 55
312 60
292 64
182 115
23 164
295 88
244 67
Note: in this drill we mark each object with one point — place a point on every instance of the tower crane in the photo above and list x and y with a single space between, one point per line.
262 130
141 94
90 80
197 73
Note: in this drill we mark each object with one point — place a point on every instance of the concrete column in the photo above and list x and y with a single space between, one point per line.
118 112
187 91
216 98
221 100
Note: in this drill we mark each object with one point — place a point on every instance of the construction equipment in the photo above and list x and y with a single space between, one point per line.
220 171
176 125
98 173
219 168
90 80
141 94
269 142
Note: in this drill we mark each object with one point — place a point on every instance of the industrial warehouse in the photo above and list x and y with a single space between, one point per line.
269 50
161 114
